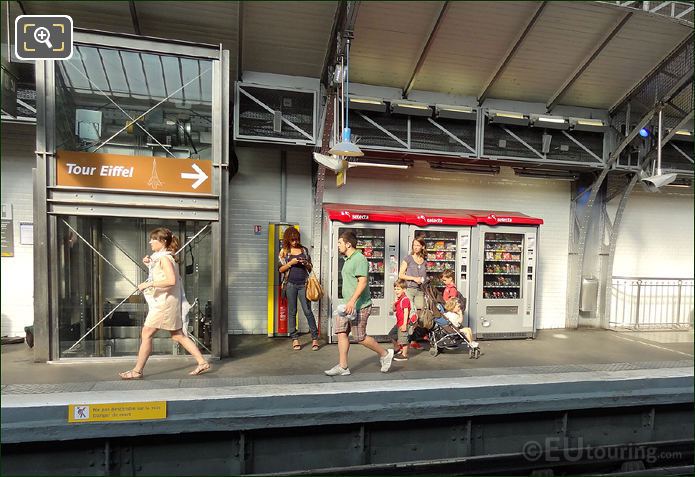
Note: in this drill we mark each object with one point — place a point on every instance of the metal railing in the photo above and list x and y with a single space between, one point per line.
652 303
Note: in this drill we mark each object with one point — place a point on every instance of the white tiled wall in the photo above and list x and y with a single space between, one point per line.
656 235
254 199
18 145
423 186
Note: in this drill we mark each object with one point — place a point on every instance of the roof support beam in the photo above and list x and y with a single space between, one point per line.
343 20
21 7
555 98
626 97
510 53
240 40
680 125
425 50
134 17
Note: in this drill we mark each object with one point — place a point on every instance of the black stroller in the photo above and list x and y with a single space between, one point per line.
442 333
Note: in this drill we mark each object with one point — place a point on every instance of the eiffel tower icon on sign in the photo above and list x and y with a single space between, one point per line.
154 181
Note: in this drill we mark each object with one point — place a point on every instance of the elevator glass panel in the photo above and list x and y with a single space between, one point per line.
91 287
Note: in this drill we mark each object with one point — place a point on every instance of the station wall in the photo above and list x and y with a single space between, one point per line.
255 199
656 236
18 159
426 187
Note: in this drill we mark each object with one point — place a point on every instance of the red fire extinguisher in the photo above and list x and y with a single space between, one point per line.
282 313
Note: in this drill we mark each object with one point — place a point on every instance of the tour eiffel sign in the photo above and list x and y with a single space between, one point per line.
142 173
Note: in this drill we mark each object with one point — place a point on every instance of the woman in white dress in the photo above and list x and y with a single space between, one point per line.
167 307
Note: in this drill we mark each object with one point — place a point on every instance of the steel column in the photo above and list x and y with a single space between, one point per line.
607 268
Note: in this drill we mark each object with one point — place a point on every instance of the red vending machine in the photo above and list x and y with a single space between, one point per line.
505 253
377 231
447 235
384 237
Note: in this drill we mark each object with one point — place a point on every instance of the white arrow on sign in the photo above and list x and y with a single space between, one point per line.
200 175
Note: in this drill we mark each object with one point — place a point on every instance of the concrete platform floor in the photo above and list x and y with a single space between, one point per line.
254 357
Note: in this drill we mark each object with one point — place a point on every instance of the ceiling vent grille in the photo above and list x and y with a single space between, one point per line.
272 114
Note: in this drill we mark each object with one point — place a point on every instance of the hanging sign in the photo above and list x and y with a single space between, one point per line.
142 173
122 411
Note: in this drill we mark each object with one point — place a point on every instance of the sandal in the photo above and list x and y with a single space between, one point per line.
200 369
296 345
132 374
315 345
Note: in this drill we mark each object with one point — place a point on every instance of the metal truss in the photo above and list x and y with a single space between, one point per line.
681 12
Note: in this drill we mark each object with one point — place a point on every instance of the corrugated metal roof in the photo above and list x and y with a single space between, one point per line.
287 37
400 30
634 51
564 36
473 38
471 42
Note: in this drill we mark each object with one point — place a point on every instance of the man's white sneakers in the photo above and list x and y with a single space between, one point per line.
386 361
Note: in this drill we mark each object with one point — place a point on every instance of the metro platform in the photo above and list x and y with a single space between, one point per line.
570 383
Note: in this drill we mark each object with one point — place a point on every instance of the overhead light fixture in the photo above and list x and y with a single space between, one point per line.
590 122
546 174
454 112
332 162
508 117
551 122
483 169
346 147
385 165
591 125
411 108
368 104
683 132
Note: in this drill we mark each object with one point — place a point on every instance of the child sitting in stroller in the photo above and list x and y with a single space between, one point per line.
454 314
447 332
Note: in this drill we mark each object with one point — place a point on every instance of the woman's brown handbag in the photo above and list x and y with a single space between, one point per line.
314 290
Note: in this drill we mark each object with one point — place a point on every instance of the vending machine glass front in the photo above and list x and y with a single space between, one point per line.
502 266
440 253
371 242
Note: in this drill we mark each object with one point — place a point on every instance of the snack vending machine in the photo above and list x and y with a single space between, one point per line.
447 248
379 245
504 286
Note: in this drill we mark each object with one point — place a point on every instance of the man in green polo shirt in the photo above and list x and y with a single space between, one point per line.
355 274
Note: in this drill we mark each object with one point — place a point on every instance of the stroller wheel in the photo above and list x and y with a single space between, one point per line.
434 351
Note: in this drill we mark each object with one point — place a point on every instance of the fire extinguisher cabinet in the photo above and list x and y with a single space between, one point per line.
277 306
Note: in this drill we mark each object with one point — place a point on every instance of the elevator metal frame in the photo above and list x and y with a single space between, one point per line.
52 201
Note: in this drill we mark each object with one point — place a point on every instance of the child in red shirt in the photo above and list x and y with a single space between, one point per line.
448 280
399 332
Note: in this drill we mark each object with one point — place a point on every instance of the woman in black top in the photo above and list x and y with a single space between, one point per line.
295 261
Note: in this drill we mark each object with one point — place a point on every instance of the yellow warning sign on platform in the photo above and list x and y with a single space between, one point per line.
122 411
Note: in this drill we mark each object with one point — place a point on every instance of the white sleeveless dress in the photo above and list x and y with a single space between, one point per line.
167 306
